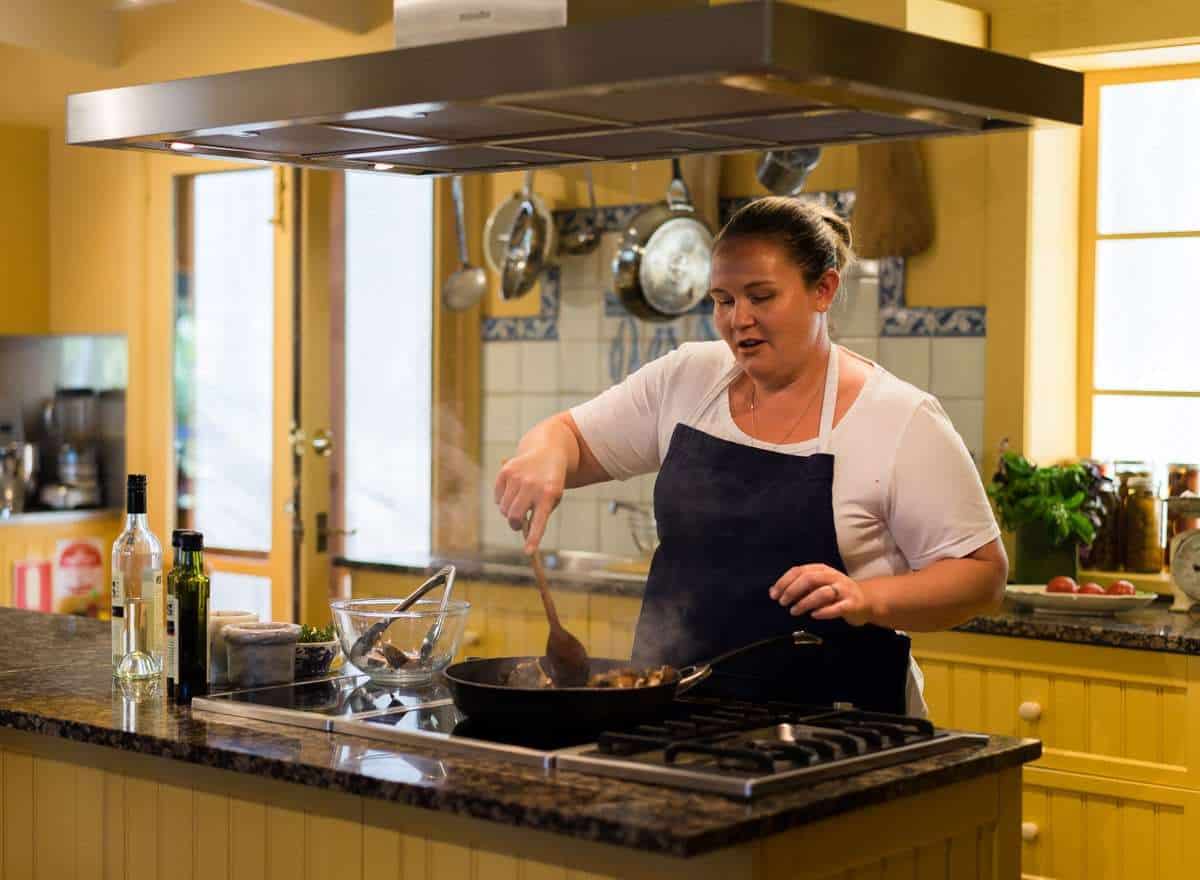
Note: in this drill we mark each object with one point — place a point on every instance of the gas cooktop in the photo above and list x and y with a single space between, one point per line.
722 746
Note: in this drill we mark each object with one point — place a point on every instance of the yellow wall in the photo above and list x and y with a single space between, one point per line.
98 215
24 228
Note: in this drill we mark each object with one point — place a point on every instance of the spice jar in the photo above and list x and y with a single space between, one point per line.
1141 526
1181 478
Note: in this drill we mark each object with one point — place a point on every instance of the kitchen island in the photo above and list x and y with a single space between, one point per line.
97 784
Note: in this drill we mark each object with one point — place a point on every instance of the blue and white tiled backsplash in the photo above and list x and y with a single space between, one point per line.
583 340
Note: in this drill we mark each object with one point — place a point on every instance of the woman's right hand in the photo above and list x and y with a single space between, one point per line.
531 481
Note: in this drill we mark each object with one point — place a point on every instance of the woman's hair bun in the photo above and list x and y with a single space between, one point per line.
816 237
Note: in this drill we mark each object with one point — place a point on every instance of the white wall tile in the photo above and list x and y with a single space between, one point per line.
501 367
501 418
958 368
909 358
535 408
539 367
579 366
646 487
494 455
615 537
967 416
581 321
578 276
496 532
629 491
856 311
578 524
867 346
567 401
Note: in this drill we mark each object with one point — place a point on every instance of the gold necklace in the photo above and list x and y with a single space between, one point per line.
819 392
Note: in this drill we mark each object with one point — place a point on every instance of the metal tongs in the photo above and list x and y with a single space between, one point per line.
368 640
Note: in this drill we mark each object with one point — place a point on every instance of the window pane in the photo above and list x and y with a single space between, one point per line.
1149 140
225 360
240 592
389 324
1158 429
1145 294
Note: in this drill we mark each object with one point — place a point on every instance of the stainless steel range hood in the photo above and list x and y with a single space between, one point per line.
746 76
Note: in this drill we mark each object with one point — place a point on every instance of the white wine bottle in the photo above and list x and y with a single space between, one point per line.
137 582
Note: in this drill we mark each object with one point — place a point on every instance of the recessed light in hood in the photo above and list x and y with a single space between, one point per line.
756 75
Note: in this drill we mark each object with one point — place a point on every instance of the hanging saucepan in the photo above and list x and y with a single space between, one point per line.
661 267
498 228
783 172
529 244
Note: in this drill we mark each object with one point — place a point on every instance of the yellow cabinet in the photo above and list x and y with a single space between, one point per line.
36 538
1075 827
1104 711
24 230
507 619
1116 793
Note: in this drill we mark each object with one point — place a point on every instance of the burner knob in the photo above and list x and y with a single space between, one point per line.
1029 831
1030 711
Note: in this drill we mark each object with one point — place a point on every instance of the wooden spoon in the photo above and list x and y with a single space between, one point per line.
566 660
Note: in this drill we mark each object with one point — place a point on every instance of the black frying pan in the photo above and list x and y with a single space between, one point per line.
480 692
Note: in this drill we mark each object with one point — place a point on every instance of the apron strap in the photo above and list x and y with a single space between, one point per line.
713 393
828 399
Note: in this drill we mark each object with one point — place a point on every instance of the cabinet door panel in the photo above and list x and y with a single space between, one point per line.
1088 828
1102 711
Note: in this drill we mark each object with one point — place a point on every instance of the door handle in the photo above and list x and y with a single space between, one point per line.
321 441
324 533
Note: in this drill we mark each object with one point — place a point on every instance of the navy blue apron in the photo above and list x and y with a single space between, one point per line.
732 519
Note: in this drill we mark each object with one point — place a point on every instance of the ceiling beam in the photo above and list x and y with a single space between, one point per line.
355 16
82 29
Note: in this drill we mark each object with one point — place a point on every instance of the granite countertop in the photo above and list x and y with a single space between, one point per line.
1155 628
58 517
511 567
56 680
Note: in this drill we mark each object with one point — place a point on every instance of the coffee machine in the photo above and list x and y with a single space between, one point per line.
71 421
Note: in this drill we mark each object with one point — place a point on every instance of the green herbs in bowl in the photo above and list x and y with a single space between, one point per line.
316 650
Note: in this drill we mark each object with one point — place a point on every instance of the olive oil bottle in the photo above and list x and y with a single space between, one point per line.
190 604
171 661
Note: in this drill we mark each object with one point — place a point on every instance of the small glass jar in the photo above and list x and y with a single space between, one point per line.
1104 553
1181 478
1141 526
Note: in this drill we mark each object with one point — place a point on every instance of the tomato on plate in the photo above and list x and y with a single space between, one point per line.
1121 588
1091 588
1062 584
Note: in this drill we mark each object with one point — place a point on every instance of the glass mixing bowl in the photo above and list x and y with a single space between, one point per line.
397 658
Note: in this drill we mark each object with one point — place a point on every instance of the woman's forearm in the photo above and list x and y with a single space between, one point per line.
944 595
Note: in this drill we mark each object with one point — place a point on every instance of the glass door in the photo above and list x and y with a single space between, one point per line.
232 384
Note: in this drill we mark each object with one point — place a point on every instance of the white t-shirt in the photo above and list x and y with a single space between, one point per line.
905 490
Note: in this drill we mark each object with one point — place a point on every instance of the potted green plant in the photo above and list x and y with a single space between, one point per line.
1052 511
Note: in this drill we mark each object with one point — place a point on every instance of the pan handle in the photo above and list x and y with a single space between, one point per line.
678 194
690 676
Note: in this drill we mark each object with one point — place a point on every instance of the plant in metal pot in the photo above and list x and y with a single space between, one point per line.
316 650
1052 511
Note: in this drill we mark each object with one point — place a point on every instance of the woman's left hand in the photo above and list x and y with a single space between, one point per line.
825 592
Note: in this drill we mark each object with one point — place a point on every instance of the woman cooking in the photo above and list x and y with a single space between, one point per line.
799 485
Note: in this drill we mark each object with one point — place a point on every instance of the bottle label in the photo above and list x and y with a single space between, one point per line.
173 638
118 596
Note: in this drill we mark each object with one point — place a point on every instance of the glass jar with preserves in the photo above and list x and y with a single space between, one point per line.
1104 553
1141 526
1181 478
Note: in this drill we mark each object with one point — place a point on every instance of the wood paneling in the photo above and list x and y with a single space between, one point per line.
162 819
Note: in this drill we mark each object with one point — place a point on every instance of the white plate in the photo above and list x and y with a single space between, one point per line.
1035 596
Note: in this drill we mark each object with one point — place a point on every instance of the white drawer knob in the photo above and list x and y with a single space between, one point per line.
1029 831
1030 711
470 638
